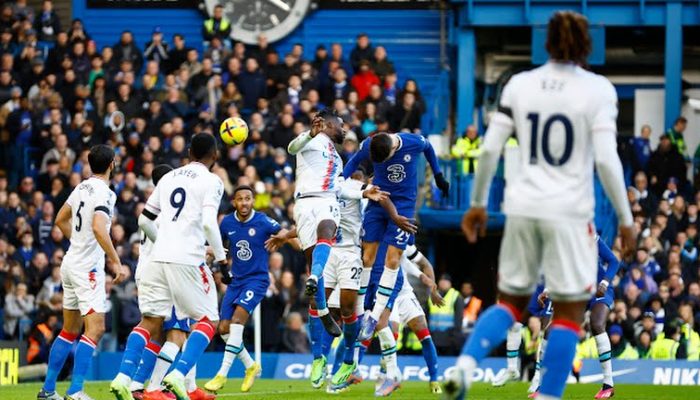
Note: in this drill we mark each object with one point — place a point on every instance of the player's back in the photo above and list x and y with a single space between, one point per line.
556 108
318 167
180 197
399 174
89 197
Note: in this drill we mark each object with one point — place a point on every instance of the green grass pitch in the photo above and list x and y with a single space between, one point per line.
291 390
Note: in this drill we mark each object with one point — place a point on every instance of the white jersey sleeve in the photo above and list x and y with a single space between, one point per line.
179 200
318 168
89 197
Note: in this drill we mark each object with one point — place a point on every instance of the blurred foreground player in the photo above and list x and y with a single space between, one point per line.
565 121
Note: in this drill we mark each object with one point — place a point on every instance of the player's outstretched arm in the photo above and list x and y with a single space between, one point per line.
212 233
440 181
406 225
99 229
63 220
148 226
354 161
280 239
299 142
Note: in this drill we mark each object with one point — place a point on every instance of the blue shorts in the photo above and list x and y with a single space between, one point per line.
378 227
534 306
247 294
608 299
178 324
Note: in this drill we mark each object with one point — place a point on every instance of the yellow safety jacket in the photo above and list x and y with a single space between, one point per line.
663 349
587 349
693 342
629 353
209 25
411 340
443 318
530 344
467 150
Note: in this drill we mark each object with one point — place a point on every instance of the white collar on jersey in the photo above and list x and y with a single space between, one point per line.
252 214
197 163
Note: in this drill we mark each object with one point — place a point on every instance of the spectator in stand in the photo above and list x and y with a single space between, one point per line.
60 149
364 79
47 24
320 57
251 84
666 163
642 149
22 11
446 321
406 116
126 50
217 25
77 32
19 305
295 338
177 55
381 64
675 134
336 60
262 49
467 149
156 49
472 307
647 199
339 88
362 51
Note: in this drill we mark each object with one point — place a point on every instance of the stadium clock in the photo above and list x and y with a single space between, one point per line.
249 18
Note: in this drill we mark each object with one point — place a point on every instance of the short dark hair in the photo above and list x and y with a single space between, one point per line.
329 114
100 158
203 145
681 120
380 147
159 171
241 188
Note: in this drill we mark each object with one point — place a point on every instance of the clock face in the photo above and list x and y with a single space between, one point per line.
273 18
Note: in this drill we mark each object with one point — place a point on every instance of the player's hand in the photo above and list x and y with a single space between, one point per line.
442 184
602 288
316 126
542 298
405 224
474 223
119 273
628 235
436 298
276 241
375 194
226 277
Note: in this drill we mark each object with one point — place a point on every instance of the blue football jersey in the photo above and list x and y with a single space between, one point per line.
399 174
247 243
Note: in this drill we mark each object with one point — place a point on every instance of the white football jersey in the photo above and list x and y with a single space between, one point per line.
178 200
145 248
318 167
555 110
351 212
89 197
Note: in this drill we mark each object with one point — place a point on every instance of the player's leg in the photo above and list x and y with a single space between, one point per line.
225 331
598 318
369 253
175 339
569 264
419 326
387 343
61 349
145 369
541 348
519 262
348 300
82 360
512 371
325 235
320 342
194 295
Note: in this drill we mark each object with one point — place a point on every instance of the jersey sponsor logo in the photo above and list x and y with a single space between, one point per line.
244 252
205 279
397 173
92 278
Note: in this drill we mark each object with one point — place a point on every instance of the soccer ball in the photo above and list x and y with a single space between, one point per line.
233 131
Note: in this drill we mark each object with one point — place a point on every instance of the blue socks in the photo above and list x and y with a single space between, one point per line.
195 346
339 354
60 350
561 349
350 331
429 353
135 343
320 296
319 258
148 362
490 331
81 363
316 334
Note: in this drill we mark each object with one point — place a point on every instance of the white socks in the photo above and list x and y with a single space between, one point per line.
388 345
364 281
167 354
234 348
467 365
513 341
605 357
191 379
386 286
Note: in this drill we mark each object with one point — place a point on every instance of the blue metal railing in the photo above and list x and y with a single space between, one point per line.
434 121
461 188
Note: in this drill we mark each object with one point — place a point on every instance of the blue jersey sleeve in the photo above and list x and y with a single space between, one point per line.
430 155
355 161
272 226
608 257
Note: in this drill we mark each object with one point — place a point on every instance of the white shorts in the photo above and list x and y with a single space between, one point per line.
84 288
190 289
309 212
333 301
565 252
406 308
343 268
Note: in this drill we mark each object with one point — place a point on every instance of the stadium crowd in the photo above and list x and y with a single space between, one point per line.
59 91
58 94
